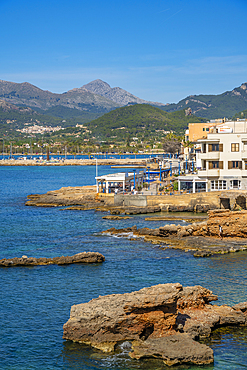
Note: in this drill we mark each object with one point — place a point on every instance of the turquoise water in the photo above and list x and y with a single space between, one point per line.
35 302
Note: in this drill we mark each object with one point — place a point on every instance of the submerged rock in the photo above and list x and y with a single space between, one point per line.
161 321
84 257
115 217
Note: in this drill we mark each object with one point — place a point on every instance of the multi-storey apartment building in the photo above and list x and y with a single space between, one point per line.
223 161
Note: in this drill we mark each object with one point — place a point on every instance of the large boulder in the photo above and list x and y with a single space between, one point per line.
160 321
105 321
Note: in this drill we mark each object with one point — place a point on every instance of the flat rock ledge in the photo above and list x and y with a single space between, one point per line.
84 257
200 237
162 321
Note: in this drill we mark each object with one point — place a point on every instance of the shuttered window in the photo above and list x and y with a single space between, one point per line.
215 147
235 165
215 165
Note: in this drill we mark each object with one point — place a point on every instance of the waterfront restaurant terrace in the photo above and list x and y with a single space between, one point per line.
120 182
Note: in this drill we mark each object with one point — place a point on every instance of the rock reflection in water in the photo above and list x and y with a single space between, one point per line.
230 347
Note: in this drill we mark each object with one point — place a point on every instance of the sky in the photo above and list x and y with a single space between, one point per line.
157 50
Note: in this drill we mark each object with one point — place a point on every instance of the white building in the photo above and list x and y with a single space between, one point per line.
120 182
222 161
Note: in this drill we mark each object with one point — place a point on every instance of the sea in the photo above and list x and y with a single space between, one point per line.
35 302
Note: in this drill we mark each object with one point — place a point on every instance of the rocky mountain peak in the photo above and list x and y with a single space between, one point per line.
115 94
97 87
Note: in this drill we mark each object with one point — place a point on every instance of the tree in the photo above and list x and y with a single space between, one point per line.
172 143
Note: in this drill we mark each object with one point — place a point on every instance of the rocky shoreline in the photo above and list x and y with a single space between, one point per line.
84 198
162 321
83 257
201 238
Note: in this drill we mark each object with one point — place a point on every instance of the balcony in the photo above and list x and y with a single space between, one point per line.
209 156
216 172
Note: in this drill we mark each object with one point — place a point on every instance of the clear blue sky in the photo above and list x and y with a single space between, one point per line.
159 50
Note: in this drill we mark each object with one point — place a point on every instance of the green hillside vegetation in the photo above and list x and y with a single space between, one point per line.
13 118
242 115
72 113
140 120
213 106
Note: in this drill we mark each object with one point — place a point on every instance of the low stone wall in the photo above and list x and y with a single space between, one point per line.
130 200
198 202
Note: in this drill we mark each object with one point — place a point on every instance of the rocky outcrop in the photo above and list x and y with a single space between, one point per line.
84 257
161 321
201 237
234 224
69 196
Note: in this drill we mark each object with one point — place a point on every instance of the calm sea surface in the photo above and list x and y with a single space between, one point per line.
35 302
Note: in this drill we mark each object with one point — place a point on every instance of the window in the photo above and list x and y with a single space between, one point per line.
235 147
235 184
215 165
186 185
200 186
215 147
218 184
234 165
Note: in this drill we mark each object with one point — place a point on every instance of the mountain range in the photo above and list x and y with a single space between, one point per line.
226 104
98 97
116 94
